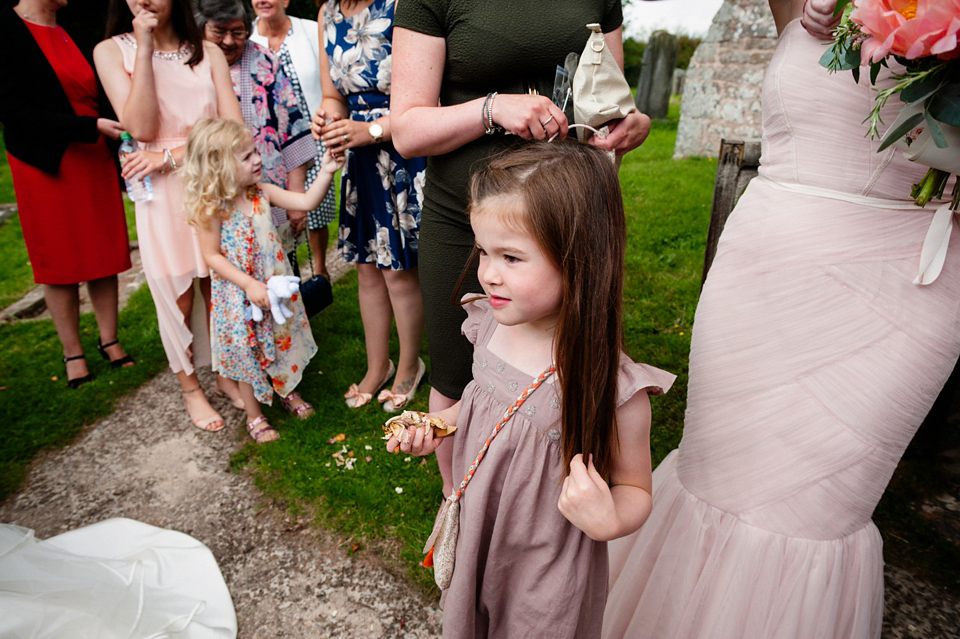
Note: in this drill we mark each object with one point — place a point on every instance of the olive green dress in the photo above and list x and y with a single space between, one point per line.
508 47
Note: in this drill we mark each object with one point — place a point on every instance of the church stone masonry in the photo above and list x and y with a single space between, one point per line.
721 95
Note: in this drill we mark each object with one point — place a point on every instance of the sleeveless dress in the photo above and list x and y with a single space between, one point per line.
73 222
813 361
169 249
522 570
268 356
380 190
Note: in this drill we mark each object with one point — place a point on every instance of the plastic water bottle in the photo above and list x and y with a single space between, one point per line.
137 190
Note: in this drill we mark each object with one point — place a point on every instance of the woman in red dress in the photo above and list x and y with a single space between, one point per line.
64 176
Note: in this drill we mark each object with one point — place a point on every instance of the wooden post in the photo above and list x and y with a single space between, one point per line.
736 166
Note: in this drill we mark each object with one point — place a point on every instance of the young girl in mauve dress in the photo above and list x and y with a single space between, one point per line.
570 469
230 208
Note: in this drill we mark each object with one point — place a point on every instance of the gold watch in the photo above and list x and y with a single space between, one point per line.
376 132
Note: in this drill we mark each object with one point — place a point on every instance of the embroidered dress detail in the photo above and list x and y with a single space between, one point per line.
184 50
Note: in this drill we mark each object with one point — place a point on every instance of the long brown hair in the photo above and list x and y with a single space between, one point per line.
573 209
120 20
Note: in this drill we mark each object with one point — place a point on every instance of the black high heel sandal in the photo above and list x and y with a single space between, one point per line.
76 381
115 363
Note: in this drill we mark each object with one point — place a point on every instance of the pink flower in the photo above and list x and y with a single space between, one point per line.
908 28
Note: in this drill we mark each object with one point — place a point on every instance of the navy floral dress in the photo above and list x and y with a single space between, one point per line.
380 190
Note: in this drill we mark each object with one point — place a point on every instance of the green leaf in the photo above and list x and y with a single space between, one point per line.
874 71
917 100
945 105
900 131
856 74
840 57
841 4
827 60
935 131
920 89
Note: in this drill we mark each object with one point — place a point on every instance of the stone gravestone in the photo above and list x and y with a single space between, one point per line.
656 75
721 93
678 76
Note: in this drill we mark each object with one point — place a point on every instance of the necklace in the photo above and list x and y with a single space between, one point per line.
179 54
27 18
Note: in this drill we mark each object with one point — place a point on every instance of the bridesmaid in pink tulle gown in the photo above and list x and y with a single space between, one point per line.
814 359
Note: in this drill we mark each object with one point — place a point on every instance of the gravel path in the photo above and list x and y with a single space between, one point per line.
147 463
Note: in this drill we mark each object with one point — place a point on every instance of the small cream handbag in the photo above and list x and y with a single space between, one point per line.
600 92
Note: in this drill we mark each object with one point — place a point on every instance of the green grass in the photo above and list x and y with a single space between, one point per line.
39 410
17 276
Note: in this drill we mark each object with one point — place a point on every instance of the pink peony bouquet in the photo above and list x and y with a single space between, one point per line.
924 37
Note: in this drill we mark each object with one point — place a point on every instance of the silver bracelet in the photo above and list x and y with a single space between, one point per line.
486 115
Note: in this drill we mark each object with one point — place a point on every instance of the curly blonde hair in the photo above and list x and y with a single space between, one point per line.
210 168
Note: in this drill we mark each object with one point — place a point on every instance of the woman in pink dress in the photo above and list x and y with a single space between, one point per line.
161 77
814 359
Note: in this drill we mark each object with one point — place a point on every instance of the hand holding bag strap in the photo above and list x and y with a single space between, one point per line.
441 546
600 92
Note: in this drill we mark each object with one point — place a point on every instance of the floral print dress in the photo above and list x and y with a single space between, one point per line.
268 356
281 132
381 192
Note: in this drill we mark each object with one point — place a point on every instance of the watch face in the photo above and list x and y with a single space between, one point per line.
376 131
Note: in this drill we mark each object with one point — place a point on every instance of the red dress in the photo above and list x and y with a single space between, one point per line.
73 222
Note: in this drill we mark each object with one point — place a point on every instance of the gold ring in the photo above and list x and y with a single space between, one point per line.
345 138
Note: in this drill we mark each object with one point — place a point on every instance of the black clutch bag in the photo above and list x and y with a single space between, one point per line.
316 292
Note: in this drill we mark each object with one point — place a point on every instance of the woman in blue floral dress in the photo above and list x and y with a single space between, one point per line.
380 195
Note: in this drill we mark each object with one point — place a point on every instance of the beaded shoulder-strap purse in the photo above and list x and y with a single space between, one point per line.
441 546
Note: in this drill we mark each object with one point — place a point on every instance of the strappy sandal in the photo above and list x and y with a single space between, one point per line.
355 399
203 424
303 410
121 362
261 430
76 381
394 402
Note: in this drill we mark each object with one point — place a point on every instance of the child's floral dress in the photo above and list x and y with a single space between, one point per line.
268 356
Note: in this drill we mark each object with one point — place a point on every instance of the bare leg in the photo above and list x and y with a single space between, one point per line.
376 314
438 402
202 414
319 239
64 304
404 289
105 299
